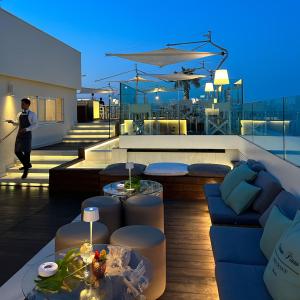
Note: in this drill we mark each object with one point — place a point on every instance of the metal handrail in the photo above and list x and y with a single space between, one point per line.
5 137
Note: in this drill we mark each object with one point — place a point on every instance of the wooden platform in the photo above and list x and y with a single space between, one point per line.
29 219
190 263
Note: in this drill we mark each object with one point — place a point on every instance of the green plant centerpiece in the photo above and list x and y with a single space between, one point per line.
135 183
70 272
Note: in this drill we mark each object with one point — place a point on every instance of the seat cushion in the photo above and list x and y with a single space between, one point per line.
239 281
286 202
119 169
220 213
166 169
270 188
242 196
237 245
212 190
208 170
234 177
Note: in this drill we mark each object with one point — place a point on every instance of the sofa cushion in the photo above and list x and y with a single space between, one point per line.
275 226
242 196
237 245
220 213
286 202
270 188
166 169
208 170
239 281
119 169
234 177
212 189
282 274
255 165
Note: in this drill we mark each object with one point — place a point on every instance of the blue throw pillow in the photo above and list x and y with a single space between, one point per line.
276 225
242 197
234 177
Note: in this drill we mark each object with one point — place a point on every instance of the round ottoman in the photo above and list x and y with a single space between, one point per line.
76 233
144 210
109 210
151 243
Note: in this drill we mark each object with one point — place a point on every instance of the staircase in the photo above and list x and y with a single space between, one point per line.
42 161
89 133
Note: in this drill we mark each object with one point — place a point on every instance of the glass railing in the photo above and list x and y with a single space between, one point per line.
164 108
275 126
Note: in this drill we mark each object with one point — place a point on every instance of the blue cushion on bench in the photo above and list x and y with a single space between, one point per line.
237 245
220 213
241 282
212 189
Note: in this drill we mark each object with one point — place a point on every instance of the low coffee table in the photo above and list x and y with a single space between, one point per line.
148 187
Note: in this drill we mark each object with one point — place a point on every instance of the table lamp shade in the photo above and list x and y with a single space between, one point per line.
209 87
91 214
129 165
221 77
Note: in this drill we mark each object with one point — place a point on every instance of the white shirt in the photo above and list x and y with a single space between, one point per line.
32 118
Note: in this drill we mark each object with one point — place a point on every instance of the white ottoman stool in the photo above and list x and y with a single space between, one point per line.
144 210
151 243
109 210
76 233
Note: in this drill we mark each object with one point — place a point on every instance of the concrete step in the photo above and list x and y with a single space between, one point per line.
88 130
87 135
36 168
82 140
46 159
54 152
93 126
39 180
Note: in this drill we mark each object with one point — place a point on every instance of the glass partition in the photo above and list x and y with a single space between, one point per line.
174 108
274 126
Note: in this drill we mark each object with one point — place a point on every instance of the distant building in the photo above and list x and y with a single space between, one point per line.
34 64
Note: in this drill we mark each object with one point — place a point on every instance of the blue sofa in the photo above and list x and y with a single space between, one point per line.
240 263
222 214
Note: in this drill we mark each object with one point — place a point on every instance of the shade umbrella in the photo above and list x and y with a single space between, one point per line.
85 90
178 76
164 57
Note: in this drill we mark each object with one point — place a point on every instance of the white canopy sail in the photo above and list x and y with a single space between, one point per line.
178 76
164 57
159 90
85 90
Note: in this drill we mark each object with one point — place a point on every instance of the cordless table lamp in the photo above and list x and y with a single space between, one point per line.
129 166
91 214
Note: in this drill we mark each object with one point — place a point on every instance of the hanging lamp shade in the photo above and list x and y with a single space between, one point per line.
221 77
209 87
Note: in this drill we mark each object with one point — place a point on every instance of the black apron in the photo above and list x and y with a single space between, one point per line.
23 140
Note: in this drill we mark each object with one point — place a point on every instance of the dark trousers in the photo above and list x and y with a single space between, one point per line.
24 158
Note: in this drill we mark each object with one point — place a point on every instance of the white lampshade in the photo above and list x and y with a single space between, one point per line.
129 165
221 77
91 214
215 100
209 87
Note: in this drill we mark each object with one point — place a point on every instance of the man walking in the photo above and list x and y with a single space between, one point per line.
27 121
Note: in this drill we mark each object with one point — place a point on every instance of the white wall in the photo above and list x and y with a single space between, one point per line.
26 52
34 64
47 133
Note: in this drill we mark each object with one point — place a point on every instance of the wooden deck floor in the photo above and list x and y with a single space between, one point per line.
190 263
29 219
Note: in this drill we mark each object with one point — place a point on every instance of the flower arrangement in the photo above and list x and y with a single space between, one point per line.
99 263
135 183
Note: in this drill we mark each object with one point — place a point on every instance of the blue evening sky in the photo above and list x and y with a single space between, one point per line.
262 36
